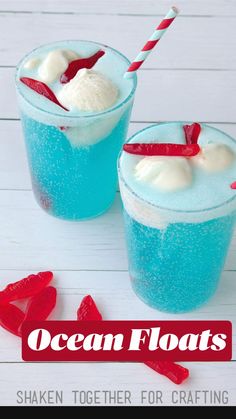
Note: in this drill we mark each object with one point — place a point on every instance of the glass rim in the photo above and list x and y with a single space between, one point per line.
161 208
90 115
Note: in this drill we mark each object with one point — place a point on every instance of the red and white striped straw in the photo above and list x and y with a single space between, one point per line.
151 43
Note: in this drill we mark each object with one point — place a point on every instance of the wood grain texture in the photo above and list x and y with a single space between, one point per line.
225 8
14 173
178 95
135 377
33 240
114 296
180 48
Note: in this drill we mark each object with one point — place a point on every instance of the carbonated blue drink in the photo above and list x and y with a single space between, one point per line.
177 240
72 154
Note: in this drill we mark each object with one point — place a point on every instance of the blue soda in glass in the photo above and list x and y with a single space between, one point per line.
72 154
177 239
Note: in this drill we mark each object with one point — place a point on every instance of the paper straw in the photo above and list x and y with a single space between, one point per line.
152 41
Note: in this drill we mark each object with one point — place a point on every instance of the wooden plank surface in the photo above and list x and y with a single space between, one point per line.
114 296
39 241
179 49
170 95
225 8
211 377
14 173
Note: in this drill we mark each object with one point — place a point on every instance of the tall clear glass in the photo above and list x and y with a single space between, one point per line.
175 257
72 159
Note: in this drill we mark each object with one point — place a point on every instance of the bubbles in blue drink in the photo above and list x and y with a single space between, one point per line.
72 155
177 241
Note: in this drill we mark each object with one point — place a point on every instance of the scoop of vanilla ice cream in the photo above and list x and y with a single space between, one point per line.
32 63
70 55
89 90
168 174
55 63
214 157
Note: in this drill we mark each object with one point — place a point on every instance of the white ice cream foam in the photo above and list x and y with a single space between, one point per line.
55 64
214 157
156 217
80 131
92 132
70 55
88 91
164 173
32 63
80 127
143 213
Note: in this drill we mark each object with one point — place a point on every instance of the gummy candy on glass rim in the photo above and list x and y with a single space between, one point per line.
72 152
177 240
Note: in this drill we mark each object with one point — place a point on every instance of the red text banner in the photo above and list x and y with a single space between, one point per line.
132 341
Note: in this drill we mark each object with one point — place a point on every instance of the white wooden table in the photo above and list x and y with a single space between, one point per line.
192 75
